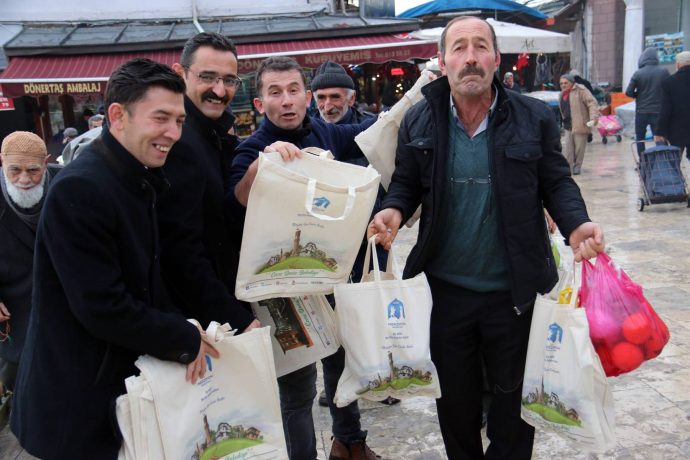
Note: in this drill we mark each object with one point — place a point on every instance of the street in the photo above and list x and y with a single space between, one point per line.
652 402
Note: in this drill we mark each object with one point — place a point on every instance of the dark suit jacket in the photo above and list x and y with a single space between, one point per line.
96 305
200 249
674 118
16 274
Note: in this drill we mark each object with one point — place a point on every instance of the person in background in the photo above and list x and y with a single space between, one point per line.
674 117
69 134
96 121
645 88
510 83
483 162
98 302
579 112
334 91
25 179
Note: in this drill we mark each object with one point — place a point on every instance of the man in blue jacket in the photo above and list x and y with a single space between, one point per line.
283 99
483 162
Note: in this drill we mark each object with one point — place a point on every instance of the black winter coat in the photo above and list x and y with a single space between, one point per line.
200 249
674 118
96 305
529 170
16 274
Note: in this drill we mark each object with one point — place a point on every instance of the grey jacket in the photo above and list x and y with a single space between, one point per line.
645 83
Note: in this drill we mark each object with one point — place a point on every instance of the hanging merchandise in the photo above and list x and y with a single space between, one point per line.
522 61
543 72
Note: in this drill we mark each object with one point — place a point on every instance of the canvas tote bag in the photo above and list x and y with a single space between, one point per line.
233 412
383 324
302 330
304 226
565 389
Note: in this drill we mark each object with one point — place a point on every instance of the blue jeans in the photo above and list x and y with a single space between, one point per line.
642 120
297 393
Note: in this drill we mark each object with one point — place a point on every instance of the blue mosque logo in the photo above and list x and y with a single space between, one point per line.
322 202
555 333
396 309
209 363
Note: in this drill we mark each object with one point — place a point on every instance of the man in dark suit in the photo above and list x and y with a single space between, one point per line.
25 179
98 301
674 118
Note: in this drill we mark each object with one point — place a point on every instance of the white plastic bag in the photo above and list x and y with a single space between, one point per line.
302 330
304 226
383 325
565 389
233 412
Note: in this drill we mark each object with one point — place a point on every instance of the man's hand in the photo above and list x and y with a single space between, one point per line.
4 313
197 368
587 241
253 325
288 151
385 226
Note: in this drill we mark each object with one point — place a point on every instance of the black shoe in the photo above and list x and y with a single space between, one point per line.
389 401
323 400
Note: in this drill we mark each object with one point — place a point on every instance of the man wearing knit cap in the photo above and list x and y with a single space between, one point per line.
335 95
25 179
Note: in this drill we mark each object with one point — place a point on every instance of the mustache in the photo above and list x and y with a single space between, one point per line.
211 96
471 70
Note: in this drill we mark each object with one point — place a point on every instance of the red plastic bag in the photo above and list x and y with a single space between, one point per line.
624 328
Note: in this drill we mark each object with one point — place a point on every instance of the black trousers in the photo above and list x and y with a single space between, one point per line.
464 325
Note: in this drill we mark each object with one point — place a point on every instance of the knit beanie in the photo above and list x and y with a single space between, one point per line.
24 143
568 77
331 75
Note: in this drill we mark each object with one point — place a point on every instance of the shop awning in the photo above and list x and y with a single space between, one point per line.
88 73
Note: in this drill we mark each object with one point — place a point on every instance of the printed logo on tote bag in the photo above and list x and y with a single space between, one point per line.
396 309
555 333
321 202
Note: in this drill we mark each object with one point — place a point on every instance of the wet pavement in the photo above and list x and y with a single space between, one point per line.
652 403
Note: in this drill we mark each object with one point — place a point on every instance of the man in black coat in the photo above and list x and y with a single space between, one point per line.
25 179
674 119
483 162
199 247
97 296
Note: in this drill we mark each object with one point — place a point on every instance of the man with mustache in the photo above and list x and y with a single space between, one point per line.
483 162
199 247
283 98
335 95
25 178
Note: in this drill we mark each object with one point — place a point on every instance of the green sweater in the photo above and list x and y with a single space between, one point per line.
468 251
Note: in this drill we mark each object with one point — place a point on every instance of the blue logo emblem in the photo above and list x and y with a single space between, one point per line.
555 333
209 363
322 202
396 309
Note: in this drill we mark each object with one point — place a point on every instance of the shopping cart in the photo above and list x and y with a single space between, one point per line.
661 178
609 125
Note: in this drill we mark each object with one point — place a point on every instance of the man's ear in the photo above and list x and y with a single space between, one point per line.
178 69
259 105
45 162
441 63
309 95
116 115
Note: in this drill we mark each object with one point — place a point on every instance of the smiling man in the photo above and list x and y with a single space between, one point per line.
98 302
482 161
200 247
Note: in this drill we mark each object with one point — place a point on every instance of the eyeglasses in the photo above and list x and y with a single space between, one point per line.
229 81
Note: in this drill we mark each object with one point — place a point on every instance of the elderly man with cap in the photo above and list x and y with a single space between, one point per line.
335 95
25 178
510 83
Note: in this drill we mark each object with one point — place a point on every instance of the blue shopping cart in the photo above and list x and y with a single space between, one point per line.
661 178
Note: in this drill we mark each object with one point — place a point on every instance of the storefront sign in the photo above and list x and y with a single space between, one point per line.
5 102
667 45
39 89
403 52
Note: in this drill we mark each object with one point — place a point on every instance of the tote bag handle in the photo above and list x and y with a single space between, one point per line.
391 265
309 202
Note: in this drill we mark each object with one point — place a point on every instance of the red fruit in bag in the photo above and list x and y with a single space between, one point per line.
653 347
605 357
636 328
626 356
